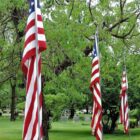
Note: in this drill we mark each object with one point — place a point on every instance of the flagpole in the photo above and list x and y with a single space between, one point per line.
129 134
124 63
37 60
97 40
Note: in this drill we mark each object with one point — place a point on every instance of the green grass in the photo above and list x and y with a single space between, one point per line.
63 131
10 130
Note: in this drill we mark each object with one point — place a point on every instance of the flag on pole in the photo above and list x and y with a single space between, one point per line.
34 44
96 123
124 102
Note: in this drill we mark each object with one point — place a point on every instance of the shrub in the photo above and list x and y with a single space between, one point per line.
133 123
20 106
81 117
135 113
56 104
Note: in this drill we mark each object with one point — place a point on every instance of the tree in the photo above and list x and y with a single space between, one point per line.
117 29
11 52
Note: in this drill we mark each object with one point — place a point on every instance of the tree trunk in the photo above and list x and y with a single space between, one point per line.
45 113
114 118
87 109
45 120
13 102
72 112
113 125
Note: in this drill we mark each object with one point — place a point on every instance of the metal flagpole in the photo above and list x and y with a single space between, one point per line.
128 107
124 66
37 60
96 41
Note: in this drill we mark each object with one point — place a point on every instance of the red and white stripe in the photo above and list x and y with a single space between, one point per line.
96 123
124 103
34 38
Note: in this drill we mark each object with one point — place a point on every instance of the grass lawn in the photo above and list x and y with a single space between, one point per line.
63 131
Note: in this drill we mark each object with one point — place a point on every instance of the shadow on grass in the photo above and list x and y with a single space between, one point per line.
81 133
132 132
87 133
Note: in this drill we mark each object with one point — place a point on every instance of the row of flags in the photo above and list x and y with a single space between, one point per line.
95 87
34 44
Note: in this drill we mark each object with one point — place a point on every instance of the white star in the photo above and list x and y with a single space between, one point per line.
32 3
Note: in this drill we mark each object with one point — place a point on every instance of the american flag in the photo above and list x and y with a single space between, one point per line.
96 123
34 44
124 102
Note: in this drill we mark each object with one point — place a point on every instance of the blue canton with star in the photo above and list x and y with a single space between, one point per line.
32 7
94 52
